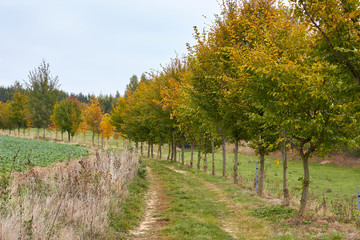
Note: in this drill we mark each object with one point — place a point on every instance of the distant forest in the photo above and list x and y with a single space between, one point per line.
106 101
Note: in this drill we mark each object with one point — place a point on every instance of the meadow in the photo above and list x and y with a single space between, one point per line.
326 180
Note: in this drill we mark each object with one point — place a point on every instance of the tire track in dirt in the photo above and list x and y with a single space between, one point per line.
238 222
155 204
225 225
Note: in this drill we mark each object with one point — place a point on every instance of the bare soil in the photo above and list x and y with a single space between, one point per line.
155 204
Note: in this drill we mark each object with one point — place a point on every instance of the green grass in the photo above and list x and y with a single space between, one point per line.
329 181
31 152
192 213
274 212
200 203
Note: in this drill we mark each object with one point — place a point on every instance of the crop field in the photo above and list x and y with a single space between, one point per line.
18 154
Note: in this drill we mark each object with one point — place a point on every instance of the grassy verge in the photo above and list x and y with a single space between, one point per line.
67 201
202 206
125 214
329 181
332 188
191 212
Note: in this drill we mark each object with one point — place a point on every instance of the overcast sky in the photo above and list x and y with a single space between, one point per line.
95 46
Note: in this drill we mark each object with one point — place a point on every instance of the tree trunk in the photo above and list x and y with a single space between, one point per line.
261 174
148 154
192 154
141 149
199 159
137 146
18 132
174 148
284 160
213 157
43 132
102 142
305 183
152 149
236 152
169 153
38 132
69 136
224 155
159 149
205 159
182 154
62 136
98 138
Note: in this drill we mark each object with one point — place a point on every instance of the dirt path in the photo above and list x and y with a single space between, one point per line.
153 224
239 222
155 204
190 205
229 224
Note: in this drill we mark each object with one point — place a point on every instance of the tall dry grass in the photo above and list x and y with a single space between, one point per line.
68 201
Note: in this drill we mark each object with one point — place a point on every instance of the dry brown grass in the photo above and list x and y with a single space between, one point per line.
67 201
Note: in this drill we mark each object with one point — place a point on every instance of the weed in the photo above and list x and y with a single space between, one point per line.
125 214
345 210
274 212
67 201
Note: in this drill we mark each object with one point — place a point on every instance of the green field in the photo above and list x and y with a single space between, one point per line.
327 180
31 152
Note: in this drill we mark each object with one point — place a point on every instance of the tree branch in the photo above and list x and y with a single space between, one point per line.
342 58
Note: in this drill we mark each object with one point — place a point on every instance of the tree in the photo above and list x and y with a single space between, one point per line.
93 117
107 129
107 102
83 127
293 87
18 113
67 115
132 86
5 122
7 93
216 90
43 94
336 24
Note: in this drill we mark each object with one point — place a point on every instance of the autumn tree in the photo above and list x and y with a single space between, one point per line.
18 112
293 87
93 117
67 115
336 28
107 129
83 127
43 93
118 115
213 79
5 122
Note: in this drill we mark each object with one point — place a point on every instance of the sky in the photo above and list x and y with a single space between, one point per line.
95 46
